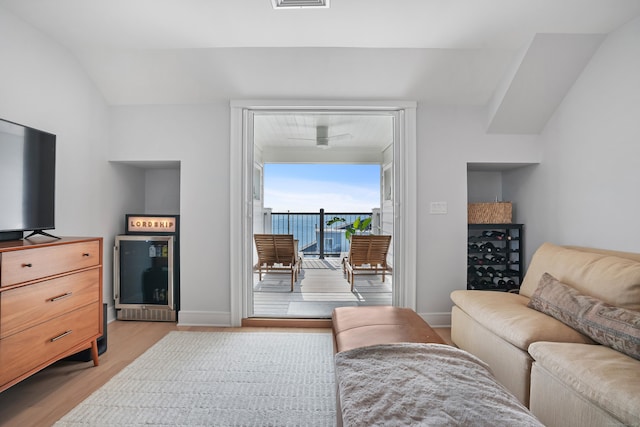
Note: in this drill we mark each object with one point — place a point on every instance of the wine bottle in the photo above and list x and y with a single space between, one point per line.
471 271
485 284
488 247
474 260
493 258
491 272
511 272
493 234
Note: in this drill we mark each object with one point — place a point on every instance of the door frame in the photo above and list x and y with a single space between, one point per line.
241 193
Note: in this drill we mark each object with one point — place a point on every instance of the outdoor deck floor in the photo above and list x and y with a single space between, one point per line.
321 287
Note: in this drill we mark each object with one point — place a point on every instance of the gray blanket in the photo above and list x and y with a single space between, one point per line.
423 384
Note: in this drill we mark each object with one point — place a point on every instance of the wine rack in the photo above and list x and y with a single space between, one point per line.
495 257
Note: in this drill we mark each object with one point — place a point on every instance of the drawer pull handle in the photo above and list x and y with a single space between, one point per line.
59 297
27 265
54 339
86 254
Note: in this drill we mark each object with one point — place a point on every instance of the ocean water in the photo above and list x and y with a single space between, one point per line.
305 228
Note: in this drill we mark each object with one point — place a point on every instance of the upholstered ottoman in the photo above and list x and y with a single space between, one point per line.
355 327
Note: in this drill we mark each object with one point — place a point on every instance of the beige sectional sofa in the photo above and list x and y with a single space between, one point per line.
563 375
393 369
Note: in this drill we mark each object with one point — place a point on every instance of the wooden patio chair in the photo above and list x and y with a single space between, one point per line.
278 253
367 253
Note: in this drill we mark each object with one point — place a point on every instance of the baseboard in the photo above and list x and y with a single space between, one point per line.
437 320
213 318
286 323
204 318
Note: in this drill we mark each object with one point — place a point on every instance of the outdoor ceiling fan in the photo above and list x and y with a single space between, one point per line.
322 137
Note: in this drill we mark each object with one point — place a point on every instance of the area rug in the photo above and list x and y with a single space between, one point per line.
219 379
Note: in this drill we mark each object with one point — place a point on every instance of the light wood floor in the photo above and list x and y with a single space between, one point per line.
45 397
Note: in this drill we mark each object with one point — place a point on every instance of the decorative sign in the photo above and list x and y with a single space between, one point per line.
151 224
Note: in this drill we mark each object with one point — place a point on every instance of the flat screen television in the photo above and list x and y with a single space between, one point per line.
27 180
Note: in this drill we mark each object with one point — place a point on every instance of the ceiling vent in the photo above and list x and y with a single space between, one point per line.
300 4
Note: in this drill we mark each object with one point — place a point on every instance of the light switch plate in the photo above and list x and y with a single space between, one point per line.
438 208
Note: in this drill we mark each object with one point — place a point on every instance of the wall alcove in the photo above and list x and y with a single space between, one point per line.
155 185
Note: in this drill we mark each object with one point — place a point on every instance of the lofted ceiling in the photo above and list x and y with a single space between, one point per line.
200 24
441 52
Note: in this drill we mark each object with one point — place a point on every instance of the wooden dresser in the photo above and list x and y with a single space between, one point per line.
50 303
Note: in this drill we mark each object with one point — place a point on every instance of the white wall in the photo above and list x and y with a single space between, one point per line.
198 137
129 194
162 192
586 190
42 86
448 139
484 186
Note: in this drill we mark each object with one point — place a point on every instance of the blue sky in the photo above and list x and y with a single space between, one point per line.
309 187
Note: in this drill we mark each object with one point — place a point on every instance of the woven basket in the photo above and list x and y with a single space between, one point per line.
489 213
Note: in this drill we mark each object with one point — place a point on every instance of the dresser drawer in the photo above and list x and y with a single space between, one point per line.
36 347
23 307
31 264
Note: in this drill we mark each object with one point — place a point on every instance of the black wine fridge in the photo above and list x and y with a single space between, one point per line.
146 269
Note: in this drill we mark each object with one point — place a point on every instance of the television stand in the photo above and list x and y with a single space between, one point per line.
36 232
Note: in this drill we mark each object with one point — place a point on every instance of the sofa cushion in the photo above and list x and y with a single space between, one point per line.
507 315
600 374
601 274
612 326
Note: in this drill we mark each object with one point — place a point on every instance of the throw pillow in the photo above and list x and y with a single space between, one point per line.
615 327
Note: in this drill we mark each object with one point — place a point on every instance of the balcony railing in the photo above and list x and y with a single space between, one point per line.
315 237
